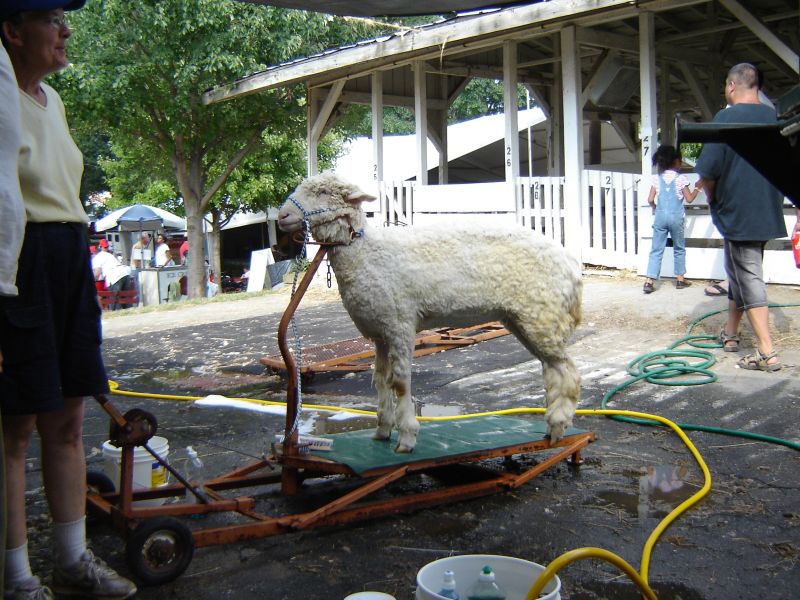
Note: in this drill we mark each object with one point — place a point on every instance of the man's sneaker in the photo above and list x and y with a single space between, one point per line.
29 590
92 578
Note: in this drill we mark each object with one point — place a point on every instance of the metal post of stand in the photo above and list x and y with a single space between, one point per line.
290 480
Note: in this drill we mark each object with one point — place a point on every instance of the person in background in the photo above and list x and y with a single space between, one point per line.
56 314
748 211
168 260
161 251
140 252
183 250
672 189
99 258
12 228
109 269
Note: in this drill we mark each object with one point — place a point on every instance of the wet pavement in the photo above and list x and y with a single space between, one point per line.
741 541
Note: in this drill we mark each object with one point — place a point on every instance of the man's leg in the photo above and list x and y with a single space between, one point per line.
64 461
759 321
78 572
735 315
17 432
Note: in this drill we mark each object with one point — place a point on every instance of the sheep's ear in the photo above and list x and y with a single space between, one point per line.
358 197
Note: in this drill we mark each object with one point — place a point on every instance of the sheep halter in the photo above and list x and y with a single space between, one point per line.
354 233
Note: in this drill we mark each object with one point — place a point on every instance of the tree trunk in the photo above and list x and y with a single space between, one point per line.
194 233
215 244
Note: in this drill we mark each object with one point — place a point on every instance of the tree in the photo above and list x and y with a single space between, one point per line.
139 71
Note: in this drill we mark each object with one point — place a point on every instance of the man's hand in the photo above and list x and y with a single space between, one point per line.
707 185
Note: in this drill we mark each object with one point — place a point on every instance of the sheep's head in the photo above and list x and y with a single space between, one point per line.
331 205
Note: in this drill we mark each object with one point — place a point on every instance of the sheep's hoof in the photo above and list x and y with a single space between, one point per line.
556 432
380 436
403 449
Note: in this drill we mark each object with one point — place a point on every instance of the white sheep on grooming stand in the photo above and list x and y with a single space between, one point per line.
397 281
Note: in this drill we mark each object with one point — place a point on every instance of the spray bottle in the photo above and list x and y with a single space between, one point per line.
449 586
195 474
486 588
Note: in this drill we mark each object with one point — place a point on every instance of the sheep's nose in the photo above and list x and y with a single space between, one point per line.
287 220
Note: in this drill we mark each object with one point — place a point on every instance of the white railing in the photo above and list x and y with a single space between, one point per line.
541 206
614 232
609 219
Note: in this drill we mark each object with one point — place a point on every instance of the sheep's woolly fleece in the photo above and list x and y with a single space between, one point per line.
395 281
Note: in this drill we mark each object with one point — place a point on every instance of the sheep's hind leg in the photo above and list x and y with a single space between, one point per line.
380 378
562 384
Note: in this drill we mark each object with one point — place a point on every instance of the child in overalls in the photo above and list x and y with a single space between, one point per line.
672 188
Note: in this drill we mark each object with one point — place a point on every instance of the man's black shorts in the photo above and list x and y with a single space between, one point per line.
50 334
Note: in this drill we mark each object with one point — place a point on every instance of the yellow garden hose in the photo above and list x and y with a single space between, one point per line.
565 559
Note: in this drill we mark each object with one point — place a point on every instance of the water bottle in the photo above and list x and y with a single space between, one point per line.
486 588
195 474
449 586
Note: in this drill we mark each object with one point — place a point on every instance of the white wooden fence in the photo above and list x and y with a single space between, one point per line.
616 221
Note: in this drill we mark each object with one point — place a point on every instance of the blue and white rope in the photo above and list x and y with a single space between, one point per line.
298 346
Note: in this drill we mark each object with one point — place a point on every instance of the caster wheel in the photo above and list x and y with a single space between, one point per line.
98 483
159 550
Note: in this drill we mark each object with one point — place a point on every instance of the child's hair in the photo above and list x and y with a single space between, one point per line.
665 157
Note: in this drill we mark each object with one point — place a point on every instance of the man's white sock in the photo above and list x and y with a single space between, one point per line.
70 542
18 567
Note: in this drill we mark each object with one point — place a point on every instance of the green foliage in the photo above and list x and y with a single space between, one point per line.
481 97
691 150
139 71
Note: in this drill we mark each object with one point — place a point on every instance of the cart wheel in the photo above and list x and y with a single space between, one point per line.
159 550
99 483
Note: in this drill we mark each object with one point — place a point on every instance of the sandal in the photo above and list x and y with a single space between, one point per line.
758 362
729 343
715 290
648 288
682 283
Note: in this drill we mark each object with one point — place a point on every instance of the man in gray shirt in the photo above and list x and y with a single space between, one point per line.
748 211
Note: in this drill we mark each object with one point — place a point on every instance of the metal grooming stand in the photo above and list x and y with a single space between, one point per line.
358 354
159 546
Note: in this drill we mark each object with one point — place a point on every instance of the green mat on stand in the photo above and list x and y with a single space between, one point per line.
436 439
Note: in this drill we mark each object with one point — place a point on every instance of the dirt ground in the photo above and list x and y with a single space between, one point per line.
741 541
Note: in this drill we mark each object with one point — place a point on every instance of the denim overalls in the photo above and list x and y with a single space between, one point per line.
669 219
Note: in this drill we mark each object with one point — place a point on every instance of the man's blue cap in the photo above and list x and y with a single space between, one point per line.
12 7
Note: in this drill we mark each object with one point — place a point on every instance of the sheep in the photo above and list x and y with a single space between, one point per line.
397 281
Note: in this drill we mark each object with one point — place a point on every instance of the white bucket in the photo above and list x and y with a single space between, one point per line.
147 472
369 596
514 575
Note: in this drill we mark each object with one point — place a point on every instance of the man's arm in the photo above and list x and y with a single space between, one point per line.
708 185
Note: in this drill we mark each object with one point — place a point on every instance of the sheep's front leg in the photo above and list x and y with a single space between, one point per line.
562 384
405 417
380 379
